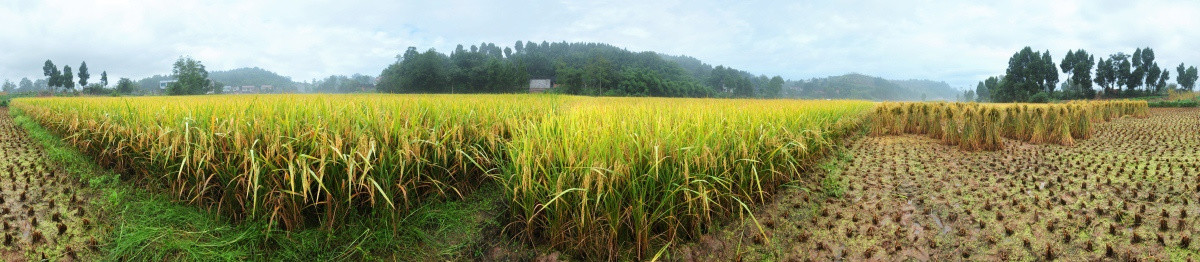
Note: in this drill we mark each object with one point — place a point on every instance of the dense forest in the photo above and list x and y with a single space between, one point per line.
574 68
859 86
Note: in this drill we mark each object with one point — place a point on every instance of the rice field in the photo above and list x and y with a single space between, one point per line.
648 171
602 178
596 177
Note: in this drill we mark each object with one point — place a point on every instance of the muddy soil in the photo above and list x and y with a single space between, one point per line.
45 215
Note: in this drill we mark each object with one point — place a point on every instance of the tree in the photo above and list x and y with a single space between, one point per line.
1109 75
639 82
1028 73
389 79
596 74
67 80
982 91
52 75
968 95
1144 70
126 86
742 87
986 88
1191 81
729 81
25 85
216 87
1162 81
1102 72
83 74
190 78
1153 72
501 76
1049 73
774 87
1138 73
8 86
1078 66
93 89
41 84
1186 77
104 78
417 73
1068 63
1181 75
467 73
1122 72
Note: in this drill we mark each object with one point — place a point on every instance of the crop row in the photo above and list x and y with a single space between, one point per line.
596 176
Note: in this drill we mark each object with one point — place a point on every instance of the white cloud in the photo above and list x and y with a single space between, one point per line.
955 41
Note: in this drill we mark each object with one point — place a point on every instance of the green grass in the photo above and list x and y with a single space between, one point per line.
149 226
1173 99
7 98
833 184
1175 103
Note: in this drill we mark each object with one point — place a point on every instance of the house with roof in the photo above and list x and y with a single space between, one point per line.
539 85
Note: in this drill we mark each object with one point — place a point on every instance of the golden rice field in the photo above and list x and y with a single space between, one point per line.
597 177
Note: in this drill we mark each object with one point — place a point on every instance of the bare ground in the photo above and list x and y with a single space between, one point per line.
45 215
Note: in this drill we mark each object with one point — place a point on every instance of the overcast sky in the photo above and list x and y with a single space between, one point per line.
953 41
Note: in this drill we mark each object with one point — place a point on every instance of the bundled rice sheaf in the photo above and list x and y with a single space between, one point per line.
972 126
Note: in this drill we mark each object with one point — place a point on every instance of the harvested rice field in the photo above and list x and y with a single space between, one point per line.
45 214
1130 192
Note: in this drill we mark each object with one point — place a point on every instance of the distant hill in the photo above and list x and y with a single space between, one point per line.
859 86
697 68
252 76
247 76
934 89
150 84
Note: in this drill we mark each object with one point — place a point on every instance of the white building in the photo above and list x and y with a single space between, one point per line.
539 85
162 85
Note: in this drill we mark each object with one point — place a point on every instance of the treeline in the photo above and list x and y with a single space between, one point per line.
65 79
356 83
1032 77
252 76
217 80
188 76
573 68
26 86
859 86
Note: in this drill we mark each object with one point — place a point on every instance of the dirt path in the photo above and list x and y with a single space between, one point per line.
44 214
1128 193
